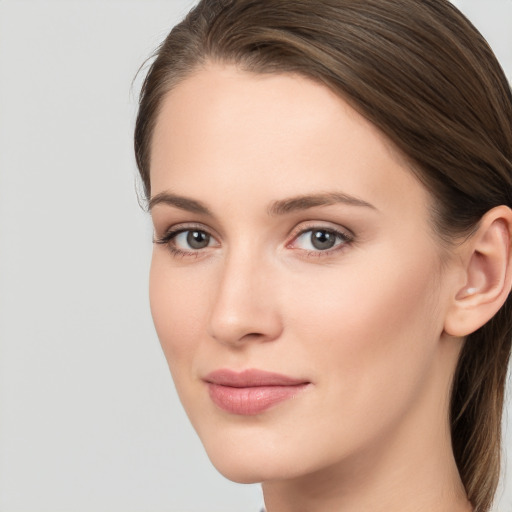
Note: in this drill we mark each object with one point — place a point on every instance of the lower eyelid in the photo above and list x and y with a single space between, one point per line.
342 236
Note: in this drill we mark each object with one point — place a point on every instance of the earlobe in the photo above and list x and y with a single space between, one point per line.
487 274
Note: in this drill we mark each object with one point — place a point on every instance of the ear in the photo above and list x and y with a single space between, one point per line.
487 274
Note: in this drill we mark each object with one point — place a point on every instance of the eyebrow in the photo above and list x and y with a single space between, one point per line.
279 207
181 202
304 202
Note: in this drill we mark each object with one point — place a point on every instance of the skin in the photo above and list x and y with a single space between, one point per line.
362 322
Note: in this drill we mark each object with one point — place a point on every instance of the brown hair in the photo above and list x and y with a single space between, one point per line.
422 73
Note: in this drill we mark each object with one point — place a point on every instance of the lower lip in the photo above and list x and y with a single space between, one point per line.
248 401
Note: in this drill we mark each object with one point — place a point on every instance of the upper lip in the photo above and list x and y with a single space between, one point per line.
251 378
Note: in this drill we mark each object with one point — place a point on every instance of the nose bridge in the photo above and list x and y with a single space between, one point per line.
244 306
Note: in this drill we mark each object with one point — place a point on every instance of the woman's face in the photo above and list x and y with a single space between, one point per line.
296 283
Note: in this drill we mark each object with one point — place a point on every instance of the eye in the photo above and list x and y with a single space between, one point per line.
192 239
321 239
186 241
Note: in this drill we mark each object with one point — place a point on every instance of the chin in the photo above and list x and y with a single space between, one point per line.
241 462
240 474
245 470
260 456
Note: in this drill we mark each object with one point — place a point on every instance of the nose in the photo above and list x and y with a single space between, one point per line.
245 305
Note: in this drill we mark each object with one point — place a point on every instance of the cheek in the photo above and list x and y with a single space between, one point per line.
177 306
371 332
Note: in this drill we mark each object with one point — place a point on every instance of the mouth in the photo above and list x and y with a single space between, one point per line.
252 391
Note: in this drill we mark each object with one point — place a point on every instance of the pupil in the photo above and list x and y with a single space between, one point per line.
322 239
198 239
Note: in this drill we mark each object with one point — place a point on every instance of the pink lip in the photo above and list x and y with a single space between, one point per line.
252 391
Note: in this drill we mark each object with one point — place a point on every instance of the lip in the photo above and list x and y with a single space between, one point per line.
251 392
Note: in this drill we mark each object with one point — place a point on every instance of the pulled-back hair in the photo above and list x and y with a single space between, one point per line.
423 74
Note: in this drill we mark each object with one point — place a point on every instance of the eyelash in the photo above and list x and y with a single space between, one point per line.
171 234
343 239
346 238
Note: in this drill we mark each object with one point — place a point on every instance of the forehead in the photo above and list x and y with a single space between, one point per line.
272 135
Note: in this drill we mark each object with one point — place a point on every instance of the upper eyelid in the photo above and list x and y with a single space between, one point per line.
184 226
321 225
322 228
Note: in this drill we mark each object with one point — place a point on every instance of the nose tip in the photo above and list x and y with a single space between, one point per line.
244 308
234 330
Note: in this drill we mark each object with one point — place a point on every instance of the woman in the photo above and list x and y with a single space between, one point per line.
330 183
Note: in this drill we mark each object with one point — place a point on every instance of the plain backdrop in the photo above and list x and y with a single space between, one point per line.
89 420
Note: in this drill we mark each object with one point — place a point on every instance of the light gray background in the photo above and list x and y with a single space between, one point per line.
89 420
